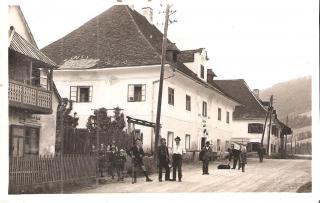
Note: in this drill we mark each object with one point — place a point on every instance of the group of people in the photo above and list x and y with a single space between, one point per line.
238 156
117 159
114 157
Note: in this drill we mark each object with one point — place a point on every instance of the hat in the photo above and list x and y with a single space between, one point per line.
207 142
177 138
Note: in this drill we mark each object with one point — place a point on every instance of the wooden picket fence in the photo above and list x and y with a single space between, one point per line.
48 169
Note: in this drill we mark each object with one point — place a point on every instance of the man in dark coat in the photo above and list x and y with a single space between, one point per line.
205 158
163 160
235 156
260 153
136 153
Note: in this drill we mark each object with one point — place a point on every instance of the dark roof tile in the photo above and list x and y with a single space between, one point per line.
238 89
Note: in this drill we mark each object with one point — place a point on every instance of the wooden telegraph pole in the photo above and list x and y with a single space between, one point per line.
270 123
163 56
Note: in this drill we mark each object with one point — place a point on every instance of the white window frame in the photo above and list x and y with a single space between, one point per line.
130 94
75 93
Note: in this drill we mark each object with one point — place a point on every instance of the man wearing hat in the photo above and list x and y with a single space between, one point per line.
177 151
205 158
136 152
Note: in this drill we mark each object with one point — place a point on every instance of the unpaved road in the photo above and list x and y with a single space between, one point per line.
269 176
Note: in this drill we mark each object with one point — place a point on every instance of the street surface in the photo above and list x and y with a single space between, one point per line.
273 175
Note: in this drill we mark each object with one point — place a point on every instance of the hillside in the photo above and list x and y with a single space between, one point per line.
292 98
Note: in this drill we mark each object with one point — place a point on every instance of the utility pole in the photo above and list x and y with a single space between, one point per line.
163 56
264 127
285 147
270 124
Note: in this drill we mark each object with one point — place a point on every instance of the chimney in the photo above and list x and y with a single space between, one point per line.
148 13
210 75
256 93
172 52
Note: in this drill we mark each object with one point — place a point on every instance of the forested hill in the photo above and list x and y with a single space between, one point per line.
292 98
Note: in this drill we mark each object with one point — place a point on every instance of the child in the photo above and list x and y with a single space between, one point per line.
120 162
243 158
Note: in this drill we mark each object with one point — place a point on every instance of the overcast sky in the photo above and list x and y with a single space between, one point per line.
263 42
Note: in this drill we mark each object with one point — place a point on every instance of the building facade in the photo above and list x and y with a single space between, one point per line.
118 65
33 100
250 117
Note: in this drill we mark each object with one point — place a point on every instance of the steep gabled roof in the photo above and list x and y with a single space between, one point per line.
29 37
238 89
120 36
22 46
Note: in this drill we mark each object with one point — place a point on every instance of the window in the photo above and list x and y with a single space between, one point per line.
136 93
204 108
170 96
24 141
227 145
138 135
202 71
275 130
218 145
255 128
170 139
227 118
81 93
219 114
31 142
187 141
188 103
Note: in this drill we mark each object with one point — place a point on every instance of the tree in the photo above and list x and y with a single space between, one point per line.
108 127
66 124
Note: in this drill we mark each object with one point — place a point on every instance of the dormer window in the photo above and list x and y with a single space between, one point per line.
202 71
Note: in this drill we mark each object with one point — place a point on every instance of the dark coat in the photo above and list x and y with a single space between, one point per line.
243 157
136 153
205 154
120 159
163 154
235 153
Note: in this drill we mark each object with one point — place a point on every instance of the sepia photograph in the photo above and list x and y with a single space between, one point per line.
151 96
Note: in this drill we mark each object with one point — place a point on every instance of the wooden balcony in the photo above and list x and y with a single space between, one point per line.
35 99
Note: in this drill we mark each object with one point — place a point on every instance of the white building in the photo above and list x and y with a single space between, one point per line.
249 118
33 98
114 60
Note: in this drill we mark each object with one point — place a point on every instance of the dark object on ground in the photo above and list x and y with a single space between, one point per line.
307 187
223 166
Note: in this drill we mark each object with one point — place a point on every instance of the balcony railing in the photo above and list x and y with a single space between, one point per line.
30 97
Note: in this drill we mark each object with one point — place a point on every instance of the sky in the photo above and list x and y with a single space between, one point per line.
262 41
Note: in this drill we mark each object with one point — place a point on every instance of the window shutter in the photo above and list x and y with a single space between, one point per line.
143 92
131 93
73 93
90 93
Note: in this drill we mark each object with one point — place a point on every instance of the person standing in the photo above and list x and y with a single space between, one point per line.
205 158
243 158
235 156
112 161
163 160
136 152
177 152
260 153
120 162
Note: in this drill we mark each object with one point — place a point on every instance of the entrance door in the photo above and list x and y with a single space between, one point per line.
16 141
203 142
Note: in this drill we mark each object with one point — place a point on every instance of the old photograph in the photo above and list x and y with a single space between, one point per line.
150 96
